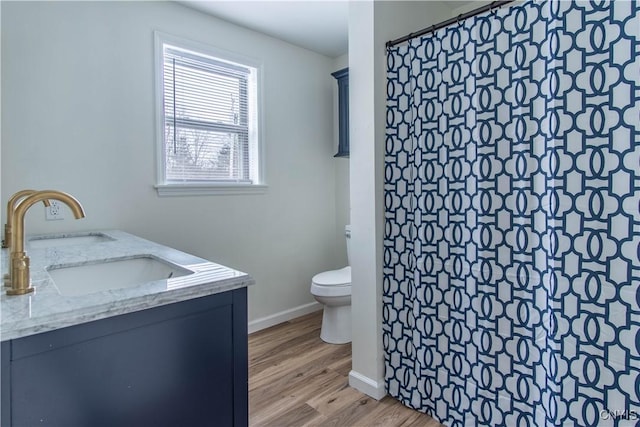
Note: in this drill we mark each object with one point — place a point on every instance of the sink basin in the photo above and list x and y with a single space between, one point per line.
80 239
112 274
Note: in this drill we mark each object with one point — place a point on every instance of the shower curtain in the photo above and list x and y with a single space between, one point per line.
512 218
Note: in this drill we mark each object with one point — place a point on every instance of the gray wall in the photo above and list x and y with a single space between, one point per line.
341 165
78 116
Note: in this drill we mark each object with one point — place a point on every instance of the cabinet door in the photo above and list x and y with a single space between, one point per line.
177 370
342 77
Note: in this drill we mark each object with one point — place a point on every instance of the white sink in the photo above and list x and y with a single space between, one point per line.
112 274
80 239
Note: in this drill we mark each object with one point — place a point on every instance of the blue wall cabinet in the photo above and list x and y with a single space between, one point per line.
342 77
182 364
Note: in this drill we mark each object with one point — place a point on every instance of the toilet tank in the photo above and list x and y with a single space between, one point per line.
347 235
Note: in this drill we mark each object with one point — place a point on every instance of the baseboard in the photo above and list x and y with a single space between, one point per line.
283 316
368 386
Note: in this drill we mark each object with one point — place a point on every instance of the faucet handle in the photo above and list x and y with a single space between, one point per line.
20 273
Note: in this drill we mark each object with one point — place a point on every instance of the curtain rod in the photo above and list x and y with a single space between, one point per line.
491 6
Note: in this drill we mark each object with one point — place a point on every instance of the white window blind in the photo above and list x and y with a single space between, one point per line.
209 119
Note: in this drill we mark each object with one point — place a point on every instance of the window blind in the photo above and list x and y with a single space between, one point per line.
207 118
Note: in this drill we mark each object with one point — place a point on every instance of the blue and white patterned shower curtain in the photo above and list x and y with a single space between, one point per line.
512 218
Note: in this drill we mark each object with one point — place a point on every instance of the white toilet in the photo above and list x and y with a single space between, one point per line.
333 289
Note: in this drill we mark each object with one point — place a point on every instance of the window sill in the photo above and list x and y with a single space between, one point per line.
209 189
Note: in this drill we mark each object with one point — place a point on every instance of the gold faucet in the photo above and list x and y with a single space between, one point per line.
14 200
11 205
20 276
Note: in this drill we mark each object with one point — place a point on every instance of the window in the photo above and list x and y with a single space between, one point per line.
208 120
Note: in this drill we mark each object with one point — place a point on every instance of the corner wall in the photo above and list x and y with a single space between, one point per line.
371 25
341 171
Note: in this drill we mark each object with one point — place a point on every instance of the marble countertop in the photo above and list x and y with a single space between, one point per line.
45 309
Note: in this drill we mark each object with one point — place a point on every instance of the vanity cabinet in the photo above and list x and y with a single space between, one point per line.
181 364
342 77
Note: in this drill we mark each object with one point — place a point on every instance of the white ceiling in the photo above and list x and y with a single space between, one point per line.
318 25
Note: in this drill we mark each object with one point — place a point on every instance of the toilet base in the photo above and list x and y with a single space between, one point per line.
336 324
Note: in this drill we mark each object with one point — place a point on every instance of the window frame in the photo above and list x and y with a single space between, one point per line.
172 188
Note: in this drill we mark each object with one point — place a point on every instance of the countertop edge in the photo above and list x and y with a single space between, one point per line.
20 319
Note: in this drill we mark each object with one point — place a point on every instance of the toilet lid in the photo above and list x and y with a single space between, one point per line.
333 278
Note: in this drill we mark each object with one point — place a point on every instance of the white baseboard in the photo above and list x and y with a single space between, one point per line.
368 386
283 316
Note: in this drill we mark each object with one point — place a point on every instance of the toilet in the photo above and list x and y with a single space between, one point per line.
333 290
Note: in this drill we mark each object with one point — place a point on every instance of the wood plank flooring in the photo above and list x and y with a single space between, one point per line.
296 380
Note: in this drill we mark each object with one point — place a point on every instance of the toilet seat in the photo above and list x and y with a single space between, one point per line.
332 283
333 277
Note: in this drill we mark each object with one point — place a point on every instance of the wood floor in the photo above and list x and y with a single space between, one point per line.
295 380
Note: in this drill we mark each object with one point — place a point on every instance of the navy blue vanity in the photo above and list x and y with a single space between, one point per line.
171 354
